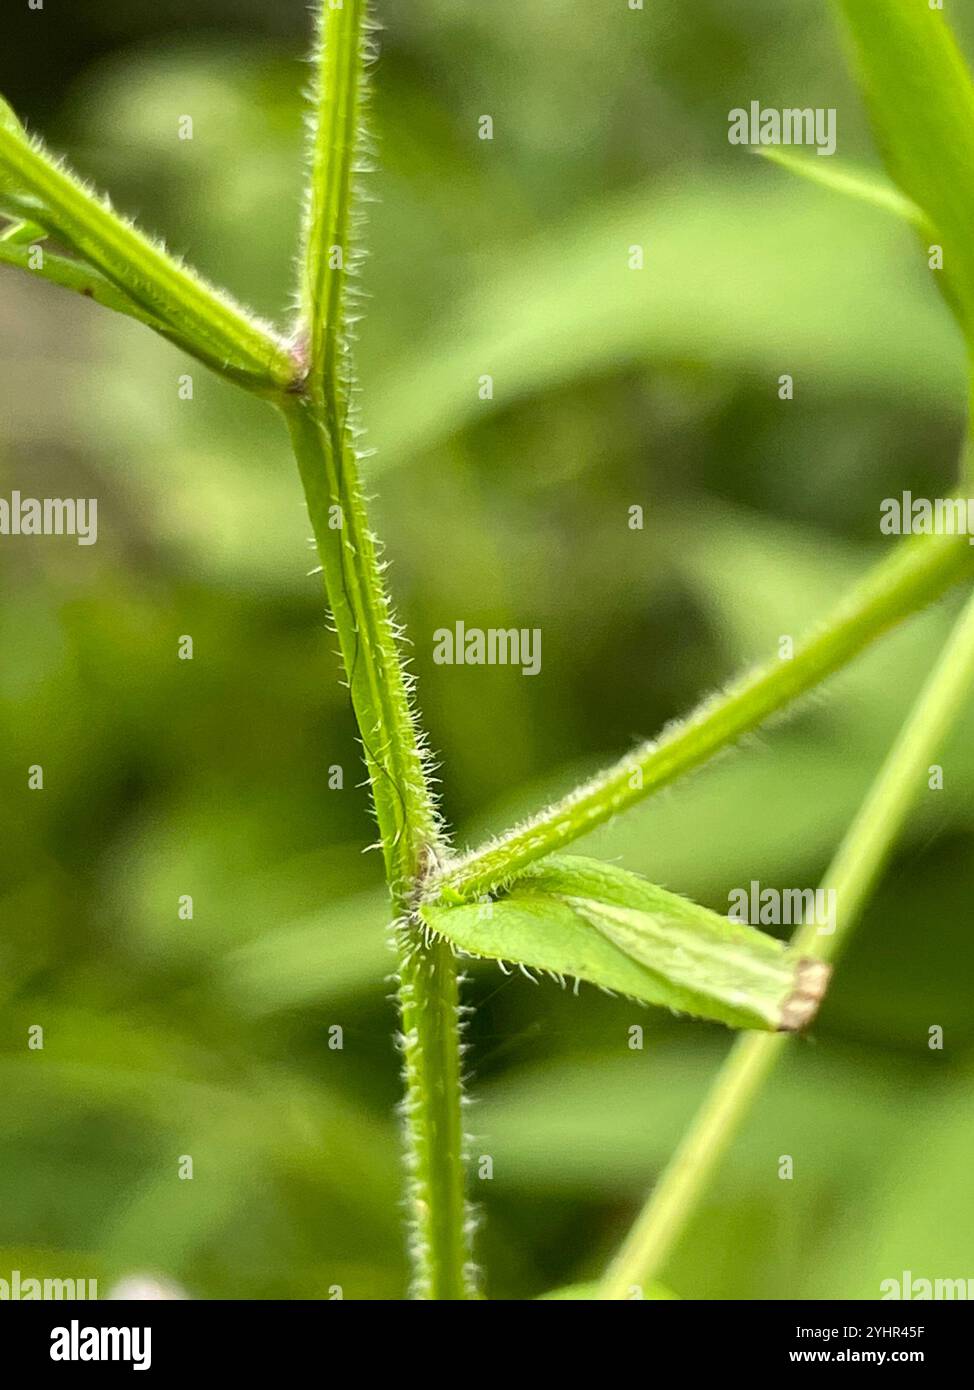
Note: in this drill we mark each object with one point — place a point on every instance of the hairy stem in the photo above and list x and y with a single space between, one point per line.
852 874
335 154
363 621
155 286
920 570
323 437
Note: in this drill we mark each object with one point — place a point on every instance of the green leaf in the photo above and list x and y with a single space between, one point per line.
921 101
575 917
725 257
863 184
16 245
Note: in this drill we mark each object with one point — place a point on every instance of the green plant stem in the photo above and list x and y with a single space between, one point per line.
409 834
339 99
162 290
920 570
367 636
852 874
440 1224
323 435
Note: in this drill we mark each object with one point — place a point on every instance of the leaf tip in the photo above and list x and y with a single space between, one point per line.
8 118
799 1009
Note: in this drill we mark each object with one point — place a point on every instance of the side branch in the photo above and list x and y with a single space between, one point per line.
919 571
150 284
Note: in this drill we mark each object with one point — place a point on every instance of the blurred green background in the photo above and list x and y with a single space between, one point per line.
209 1037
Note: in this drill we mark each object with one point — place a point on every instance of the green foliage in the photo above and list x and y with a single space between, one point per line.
921 100
579 919
722 260
210 1036
854 182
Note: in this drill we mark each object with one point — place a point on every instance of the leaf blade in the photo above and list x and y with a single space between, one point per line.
920 97
574 917
853 182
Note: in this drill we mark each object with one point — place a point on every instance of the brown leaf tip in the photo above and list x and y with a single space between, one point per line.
811 981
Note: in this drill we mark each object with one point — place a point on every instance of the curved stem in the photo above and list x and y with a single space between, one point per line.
852 874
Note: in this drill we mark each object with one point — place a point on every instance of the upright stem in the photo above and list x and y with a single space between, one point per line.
323 437
440 1225
409 834
852 874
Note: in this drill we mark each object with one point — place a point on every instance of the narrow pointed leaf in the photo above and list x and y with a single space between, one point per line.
853 182
578 918
23 233
70 274
921 100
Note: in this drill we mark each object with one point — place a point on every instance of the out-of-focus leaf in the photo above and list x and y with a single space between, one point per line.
585 1292
40 1262
863 184
918 1220
719 264
257 1138
341 951
574 917
15 249
598 1126
921 101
